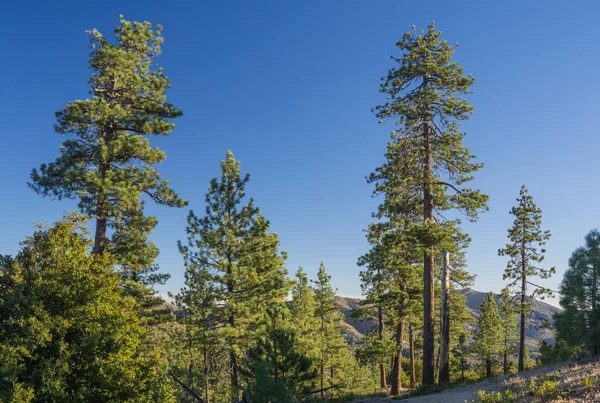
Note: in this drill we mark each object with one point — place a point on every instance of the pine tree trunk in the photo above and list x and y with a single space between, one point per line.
445 321
206 383
234 368
322 361
522 330
488 368
382 379
594 310
412 357
322 377
437 362
100 236
505 362
397 366
428 269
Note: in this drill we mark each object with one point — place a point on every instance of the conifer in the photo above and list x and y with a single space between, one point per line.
526 251
487 341
232 247
425 100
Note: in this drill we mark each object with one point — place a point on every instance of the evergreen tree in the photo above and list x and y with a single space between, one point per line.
279 372
425 99
302 308
200 321
107 163
487 340
67 331
232 246
460 356
579 322
330 340
509 329
526 251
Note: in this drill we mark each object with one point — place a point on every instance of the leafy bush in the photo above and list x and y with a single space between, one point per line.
588 382
543 389
507 396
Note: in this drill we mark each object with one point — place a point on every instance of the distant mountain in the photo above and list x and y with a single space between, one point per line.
534 332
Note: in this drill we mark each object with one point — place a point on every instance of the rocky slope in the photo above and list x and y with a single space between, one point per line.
534 332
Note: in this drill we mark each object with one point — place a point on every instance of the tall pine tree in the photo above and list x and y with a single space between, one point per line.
231 245
526 252
425 100
108 163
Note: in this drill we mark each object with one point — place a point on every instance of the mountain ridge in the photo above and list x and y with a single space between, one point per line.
534 332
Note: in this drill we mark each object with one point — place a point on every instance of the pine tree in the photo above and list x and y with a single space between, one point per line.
526 251
233 247
375 284
425 100
330 340
107 163
200 336
579 322
279 372
460 356
509 328
487 340
67 331
302 308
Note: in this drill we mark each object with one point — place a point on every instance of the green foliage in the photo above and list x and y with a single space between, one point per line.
67 332
543 390
506 396
331 343
526 253
589 382
579 322
487 340
525 250
278 371
560 352
107 163
302 308
510 338
426 164
234 261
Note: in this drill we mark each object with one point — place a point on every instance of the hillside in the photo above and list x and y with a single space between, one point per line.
533 333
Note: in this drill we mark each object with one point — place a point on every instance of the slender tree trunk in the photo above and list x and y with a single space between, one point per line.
522 330
397 367
382 379
100 236
206 383
428 269
322 362
594 310
412 357
445 320
488 368
234 367
437 362
505 362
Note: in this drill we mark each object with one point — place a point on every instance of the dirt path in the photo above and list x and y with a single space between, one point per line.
466 392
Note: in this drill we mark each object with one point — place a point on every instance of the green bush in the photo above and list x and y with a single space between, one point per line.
588 382
507 396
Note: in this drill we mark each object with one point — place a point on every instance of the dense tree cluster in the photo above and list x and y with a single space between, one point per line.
80 319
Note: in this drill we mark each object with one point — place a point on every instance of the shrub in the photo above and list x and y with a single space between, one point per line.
588 382
507 396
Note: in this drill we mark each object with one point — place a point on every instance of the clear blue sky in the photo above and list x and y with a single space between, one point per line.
288 87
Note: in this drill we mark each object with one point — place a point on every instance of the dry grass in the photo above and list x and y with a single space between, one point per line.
570 382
